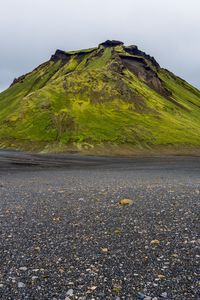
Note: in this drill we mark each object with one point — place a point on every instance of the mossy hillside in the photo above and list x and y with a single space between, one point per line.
86 100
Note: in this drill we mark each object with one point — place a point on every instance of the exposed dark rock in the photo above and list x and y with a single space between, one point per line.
116 65
111 43
65 56
143 70
135 51
18 80
60 55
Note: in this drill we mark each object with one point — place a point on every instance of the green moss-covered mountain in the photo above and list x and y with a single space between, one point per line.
109 95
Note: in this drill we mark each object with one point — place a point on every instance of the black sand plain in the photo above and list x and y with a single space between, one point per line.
64 234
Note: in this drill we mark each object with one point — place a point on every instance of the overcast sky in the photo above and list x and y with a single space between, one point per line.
31 31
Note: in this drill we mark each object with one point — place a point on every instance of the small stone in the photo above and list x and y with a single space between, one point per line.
141 296
61 270
1 285
37 248
163 295
118 231
56 219
102 295
155 242
21 285
155 284
70 292
93 288
104 250
174 255
147 298
34 277
23 268
116 289
160 276
126 202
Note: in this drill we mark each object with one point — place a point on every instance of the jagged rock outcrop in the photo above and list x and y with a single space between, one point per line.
111 43
133 50
60 54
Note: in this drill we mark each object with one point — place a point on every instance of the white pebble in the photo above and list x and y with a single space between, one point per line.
23 268
70 292
163 295
21 285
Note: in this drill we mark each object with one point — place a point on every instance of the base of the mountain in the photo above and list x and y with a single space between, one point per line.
104 149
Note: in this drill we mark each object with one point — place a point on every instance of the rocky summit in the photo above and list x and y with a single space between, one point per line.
108 97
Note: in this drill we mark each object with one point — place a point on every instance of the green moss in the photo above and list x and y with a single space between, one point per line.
100 62
84 102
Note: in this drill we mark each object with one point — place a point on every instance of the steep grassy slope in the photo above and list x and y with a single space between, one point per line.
107 95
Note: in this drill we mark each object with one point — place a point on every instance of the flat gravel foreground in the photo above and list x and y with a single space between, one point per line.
65 236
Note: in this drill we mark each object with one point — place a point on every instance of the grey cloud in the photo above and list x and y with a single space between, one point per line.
31 30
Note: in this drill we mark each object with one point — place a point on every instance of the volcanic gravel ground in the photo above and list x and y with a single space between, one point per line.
64 234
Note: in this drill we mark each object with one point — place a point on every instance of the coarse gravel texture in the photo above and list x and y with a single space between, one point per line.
64 234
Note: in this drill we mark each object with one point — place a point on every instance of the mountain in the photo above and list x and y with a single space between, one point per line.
109 97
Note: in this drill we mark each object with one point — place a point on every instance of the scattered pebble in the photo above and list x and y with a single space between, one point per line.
23 268
34 277
104 250
155 242
140 296
163 295
70 292
63 258
21 285
126 202
93 288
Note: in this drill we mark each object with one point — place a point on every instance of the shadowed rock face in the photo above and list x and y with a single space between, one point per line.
144 71
133 50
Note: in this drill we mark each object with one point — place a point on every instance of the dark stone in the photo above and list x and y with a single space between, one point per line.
111 43
140 296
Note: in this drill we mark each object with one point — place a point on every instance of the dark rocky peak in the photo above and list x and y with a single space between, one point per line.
65 56
59 54
135 51
111 43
